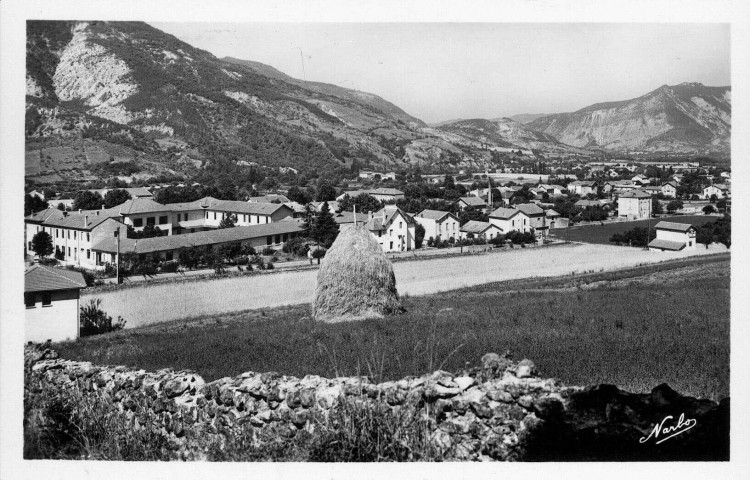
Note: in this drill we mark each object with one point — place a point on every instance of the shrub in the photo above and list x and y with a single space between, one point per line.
270 266
268 251
241 260
48 261
169 267
247 250
95 321
319 252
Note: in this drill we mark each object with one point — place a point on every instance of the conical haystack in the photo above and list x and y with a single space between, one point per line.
355 280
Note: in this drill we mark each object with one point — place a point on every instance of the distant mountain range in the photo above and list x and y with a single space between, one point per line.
100 95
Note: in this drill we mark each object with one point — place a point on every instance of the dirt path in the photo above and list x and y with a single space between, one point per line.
170 301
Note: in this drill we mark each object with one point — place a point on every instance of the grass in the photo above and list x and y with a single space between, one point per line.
635 328
602 233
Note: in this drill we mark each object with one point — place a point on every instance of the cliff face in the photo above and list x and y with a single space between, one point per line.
685 118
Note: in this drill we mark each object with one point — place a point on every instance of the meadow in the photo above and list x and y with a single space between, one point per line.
635 328
160 302
602 233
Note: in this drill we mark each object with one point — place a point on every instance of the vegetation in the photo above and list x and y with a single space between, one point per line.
116 197
95 321
86 200
41 244
636 237
33 204
603 233
228 221
635 328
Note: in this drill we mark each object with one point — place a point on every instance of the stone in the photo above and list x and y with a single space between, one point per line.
526 401
307 397
500 396
176 386
525 369
441 441
464 382
456 425
663 396
328 397
549 407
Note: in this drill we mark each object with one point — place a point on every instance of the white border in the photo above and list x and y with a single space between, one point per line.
14 13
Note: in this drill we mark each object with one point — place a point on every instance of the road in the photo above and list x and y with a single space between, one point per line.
170 301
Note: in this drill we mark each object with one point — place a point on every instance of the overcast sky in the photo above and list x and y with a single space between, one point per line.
446 71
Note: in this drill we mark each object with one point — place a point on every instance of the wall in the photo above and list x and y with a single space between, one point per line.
499 410
56 322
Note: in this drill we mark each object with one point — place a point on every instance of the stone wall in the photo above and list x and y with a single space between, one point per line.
500 410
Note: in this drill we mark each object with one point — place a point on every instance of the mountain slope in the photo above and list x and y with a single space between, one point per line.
177 108
685 118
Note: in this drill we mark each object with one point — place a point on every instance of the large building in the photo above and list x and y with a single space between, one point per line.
634 205
380 194
509 219
394 229
51 297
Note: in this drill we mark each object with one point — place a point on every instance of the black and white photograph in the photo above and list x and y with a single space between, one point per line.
323 235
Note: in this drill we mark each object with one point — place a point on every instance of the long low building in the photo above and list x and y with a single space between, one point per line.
272 235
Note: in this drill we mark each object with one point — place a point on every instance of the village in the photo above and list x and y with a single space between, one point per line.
143 239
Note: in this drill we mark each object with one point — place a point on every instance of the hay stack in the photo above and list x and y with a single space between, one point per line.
356 280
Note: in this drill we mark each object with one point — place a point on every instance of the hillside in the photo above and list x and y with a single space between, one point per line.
688 118
112 92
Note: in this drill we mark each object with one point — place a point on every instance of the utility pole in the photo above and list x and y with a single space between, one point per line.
117 235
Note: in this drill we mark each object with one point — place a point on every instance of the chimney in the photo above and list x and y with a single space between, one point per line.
65 213
97 213
102 206
86 221
79 211
369 214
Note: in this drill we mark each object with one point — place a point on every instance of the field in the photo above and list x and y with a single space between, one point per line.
147 304
601 233
635 328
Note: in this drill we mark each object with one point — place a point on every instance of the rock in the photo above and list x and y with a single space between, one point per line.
307 397
176 386
663 396
328 397
252 385
525 369
526 401
500 396
456 425
549 407
441 441
464 382
490 360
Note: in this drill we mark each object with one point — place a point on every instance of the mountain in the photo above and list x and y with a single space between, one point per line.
501 134
527 117
689 118
125 99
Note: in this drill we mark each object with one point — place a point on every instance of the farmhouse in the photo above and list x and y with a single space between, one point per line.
51 296
669 189
167 248
673 237
392 228
634 205
537 218
509 219
720 190
477 229
474 202
437 224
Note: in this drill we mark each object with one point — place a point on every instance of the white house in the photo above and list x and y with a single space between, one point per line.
392 228
477 229
720 190
634 205
51 296
537 218
380 194
582 188
669 189
673 237
509 219
474 202
438 225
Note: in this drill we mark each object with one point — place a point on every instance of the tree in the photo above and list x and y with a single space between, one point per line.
114 198
472 213
32 203
326 193
449 183
705 235
86 200
296 194
656 207
41 244
721 205
364 202
419 233
674 205
326 229
709 209
228 221
94 320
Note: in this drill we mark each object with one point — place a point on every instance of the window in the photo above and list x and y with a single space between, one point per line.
206 215
269 240
400 224
278 239
286 237
137 222
179 217
391 246
380 233
150 220
68 234
257 219
57 233
163 219
88 237
68 251
391 233
46 299
88 253
214 215
29 298
170 255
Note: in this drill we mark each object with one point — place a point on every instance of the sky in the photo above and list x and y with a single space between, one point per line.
444 71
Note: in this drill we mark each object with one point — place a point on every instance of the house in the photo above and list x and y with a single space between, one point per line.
73 234
438 225
477 229
167 248
333 205
669 189
37 194
346 219
555 220
640 180
537 218
380 194
552 190
65 200
726 175
134 192
652 190
51 296
583 203
582 188
634 205
372 175
719 189
297 208
673 237
474 202
509 219
392 228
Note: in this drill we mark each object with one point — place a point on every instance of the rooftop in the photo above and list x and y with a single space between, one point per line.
39 278
433 214
666 244
475 226
674 226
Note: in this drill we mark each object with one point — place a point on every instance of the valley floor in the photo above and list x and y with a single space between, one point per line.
161 302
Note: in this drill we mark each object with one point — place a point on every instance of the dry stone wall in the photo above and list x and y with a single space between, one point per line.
500 410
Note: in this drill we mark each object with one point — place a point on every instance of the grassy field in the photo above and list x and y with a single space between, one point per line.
635 328
155 303
602 233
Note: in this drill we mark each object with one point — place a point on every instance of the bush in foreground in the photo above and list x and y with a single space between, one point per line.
95 321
